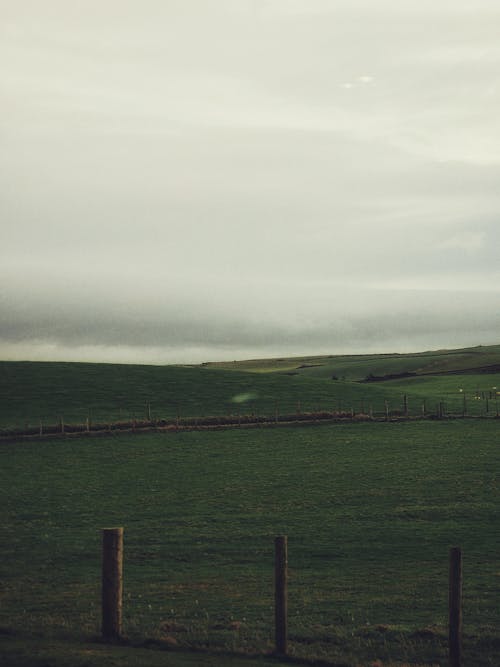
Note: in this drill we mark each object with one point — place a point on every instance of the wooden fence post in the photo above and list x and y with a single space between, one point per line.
112 582
455 608
281 593
405 405
386 411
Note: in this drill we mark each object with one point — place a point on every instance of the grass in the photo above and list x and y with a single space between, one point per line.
370 510
451 389
33 652
33 392
357 367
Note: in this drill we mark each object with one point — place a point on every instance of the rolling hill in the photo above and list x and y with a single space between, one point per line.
34 392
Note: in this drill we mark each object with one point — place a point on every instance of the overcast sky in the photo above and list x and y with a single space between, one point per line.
194 180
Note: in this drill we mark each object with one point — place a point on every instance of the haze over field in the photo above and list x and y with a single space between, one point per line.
192 180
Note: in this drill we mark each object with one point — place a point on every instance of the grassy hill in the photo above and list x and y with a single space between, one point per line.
31 392
358 367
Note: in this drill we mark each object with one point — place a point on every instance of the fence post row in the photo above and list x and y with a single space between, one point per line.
455 607
281 593
112 593
112 582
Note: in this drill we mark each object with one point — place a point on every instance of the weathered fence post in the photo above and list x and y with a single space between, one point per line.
405 405
281 593
455 608
41 428
62 424
386 411
112 582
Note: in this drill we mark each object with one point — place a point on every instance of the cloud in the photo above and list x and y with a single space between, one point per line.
471 242
244 176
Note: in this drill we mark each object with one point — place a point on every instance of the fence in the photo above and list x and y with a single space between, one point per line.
484 406
112 594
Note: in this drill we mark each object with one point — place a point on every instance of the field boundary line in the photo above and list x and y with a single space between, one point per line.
77 431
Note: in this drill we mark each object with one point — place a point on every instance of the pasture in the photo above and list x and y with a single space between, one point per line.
370 511
34 393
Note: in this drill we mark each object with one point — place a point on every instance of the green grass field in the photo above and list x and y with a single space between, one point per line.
34 392
45 392
357 367
370 511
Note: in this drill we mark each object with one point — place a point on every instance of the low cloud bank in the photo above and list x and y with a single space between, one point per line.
323 320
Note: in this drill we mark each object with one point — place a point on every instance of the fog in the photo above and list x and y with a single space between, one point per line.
192 181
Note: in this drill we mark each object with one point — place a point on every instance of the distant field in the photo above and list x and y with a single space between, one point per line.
32 392
357 367
370 510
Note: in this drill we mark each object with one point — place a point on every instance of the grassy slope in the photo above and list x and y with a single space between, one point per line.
30 392
357 367
451 390
370 511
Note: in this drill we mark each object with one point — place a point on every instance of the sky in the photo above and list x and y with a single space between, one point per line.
197 180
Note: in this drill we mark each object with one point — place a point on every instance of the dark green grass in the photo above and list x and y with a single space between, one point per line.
34 392
30 652
370 510
31 392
